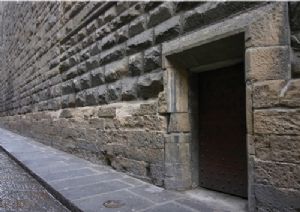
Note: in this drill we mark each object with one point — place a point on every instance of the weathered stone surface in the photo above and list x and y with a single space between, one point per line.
150 85
116 70
112 54
97 77
179 122
152 58
277 148
136 64
102 94
267 93
271 29
267 63
290 95
129 89
167 30
67 87
160 14
91 97
80 99
137 26
277 121
140 41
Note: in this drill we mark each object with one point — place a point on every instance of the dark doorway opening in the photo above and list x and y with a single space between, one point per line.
221 129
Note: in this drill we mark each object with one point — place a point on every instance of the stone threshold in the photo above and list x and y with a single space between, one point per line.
83 186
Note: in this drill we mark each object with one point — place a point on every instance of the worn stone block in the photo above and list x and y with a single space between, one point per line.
267 63
80 99
267 93
271 29
67 87
106 112
150 85
108 41
167 30
179 122
140 41
95 49
92 63
116 70
102 94
137 26
129 89
152 58
290 95
113 54
114 91
136 64
85 81
160 14
122 34
277 121
97 77
91 97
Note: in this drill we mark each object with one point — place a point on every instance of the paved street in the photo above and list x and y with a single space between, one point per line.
85 186
20 192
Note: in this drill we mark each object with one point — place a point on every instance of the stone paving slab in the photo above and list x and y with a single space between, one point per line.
84 186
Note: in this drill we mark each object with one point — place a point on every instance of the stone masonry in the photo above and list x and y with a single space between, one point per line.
92 79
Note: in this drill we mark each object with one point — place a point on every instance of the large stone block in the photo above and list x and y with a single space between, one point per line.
97 77
150 85
167 30
277 121
116 70
284 148
282 175
290 95
129 89
136 64
179 122
267 93
140 41
271 29
267 63
152 58
160 14
137 26
113 54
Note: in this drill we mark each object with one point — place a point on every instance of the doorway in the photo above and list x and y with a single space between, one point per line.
222 130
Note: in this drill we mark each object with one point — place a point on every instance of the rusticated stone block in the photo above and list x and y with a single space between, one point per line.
151 5
102 94
267 63
152 58
97 77
68 101
95 49
81 68
71 73
114 91
91 97
129 89
160 14
167 30
277 121
150 85
140 41
108 41
136 64
80 99
182 6
116 70
122 34
113 54
67 87
92 63
137 26
85 81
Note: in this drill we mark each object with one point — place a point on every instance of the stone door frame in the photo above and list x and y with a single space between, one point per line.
266 32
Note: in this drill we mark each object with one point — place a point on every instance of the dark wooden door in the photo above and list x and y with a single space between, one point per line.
222 130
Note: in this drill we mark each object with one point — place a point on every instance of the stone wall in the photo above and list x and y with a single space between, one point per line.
88 78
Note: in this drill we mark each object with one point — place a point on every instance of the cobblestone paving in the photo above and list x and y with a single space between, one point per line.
20 192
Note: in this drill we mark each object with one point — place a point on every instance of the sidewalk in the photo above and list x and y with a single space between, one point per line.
84 186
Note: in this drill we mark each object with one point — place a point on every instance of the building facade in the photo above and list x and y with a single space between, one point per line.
181 94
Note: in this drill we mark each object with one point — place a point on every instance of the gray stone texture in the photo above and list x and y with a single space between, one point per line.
92 79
